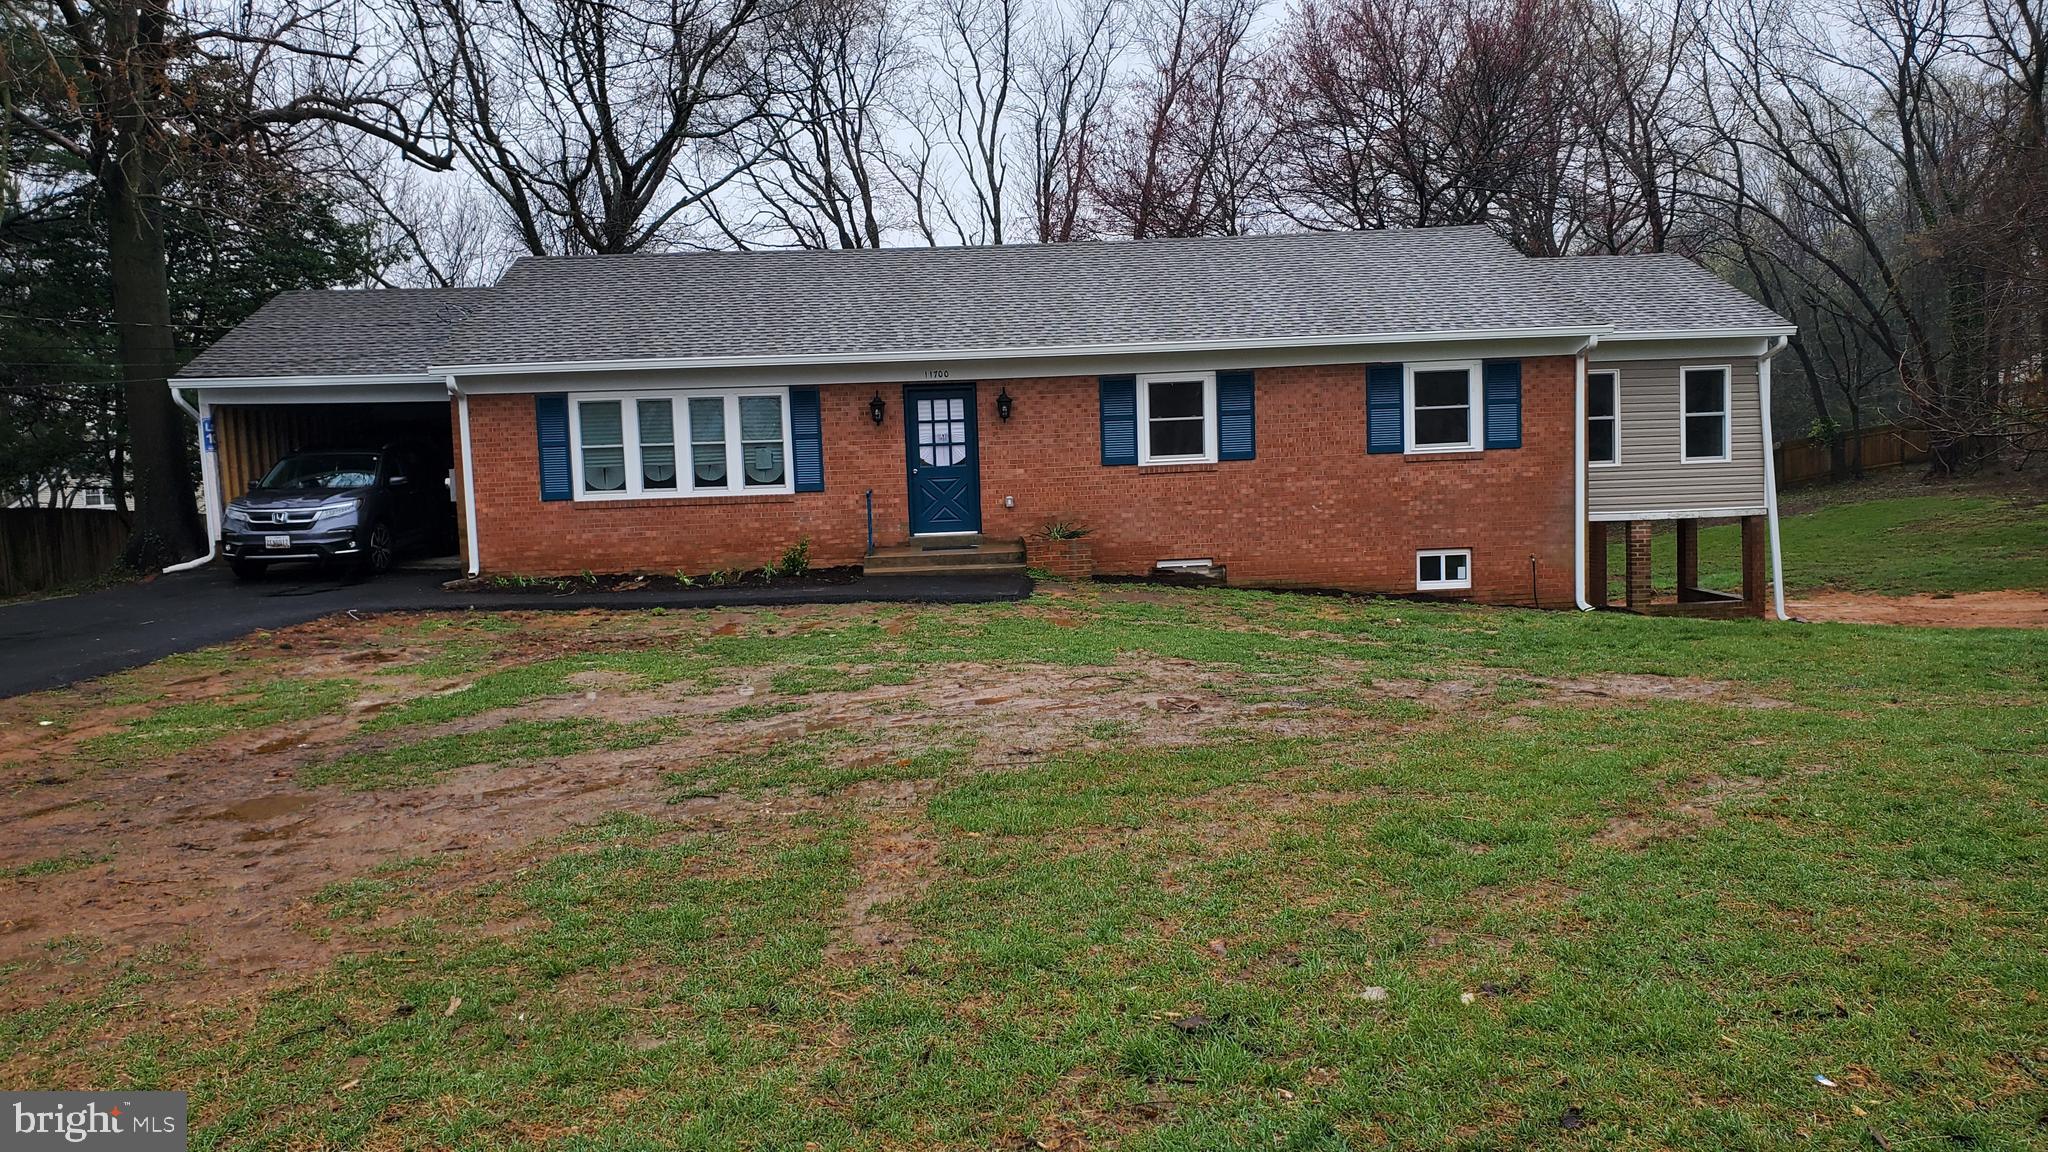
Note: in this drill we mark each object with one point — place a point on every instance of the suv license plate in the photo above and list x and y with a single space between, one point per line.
279 543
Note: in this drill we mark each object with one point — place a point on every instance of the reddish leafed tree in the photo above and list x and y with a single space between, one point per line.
1425 112
1187 136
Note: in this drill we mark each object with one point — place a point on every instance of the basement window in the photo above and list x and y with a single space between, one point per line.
1443 569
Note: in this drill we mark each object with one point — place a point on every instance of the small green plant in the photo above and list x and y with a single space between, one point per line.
1065 528
720 577
685 579
768 571
796 559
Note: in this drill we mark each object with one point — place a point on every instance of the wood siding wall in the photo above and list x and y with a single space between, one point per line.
1649 480
249 439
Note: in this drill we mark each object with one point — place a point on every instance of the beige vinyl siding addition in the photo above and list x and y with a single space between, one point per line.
1649 478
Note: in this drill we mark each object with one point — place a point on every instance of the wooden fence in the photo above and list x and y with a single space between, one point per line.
1884 446
42 548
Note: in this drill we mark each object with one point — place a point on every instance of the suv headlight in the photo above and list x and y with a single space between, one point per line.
237 518
336 510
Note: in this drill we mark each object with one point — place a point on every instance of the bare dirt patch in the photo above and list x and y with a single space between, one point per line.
1687 813
2011 609
895 866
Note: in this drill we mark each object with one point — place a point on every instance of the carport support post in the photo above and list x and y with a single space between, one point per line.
468 477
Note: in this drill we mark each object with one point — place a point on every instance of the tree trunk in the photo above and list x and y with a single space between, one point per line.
165 527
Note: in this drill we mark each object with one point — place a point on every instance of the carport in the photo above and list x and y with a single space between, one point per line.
326 370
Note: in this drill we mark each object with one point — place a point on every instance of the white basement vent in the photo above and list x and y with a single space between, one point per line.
1195 569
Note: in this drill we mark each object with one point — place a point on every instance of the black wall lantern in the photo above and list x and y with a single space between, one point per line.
1004 405
876 408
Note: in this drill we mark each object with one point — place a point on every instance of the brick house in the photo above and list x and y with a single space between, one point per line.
1418 412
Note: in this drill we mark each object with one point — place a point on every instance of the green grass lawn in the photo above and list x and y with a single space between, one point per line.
1889 544
1272 872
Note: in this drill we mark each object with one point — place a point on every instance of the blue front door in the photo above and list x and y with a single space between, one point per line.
945 469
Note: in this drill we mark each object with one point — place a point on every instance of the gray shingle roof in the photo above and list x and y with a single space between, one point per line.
906 301
809 305
339 333
1660 292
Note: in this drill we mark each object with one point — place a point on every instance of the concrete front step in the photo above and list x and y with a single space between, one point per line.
983 558
949 570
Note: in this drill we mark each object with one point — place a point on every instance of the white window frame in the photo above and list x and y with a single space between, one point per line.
686 471
1145 382
1475 431
1616 418
1727 414
1422 585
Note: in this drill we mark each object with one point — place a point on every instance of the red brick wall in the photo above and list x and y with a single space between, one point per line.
1314 509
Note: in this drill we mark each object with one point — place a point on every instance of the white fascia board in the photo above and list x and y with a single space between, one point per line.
957 355
883 373
414 392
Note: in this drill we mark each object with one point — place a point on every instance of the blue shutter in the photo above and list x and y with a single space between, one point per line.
1383 408
1119 420
1236 422
806 439
1502 380
551 428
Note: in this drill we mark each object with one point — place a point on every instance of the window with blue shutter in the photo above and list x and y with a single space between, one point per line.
1236 419
1119 420
1383 408
1502 381
806 440
551 429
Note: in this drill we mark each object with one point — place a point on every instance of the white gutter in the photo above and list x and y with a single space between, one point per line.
209 481
1579 475
1772 331
1763 381
302 381
468 475
1131 348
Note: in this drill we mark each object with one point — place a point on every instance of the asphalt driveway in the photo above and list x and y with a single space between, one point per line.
54 642
50 643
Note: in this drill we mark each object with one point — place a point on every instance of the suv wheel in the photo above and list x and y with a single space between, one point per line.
379 549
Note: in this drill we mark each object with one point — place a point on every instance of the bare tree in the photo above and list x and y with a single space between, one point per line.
1633 93
1062 92
589 120
1425 112
822 176
969 96
439 228
1189 131
129 90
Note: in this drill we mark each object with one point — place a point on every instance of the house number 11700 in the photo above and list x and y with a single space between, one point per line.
938 373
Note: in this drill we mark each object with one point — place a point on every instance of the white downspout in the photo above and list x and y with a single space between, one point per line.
1579 475
209 479
468 476
1763 381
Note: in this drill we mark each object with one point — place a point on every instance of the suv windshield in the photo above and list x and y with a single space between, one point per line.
324 470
